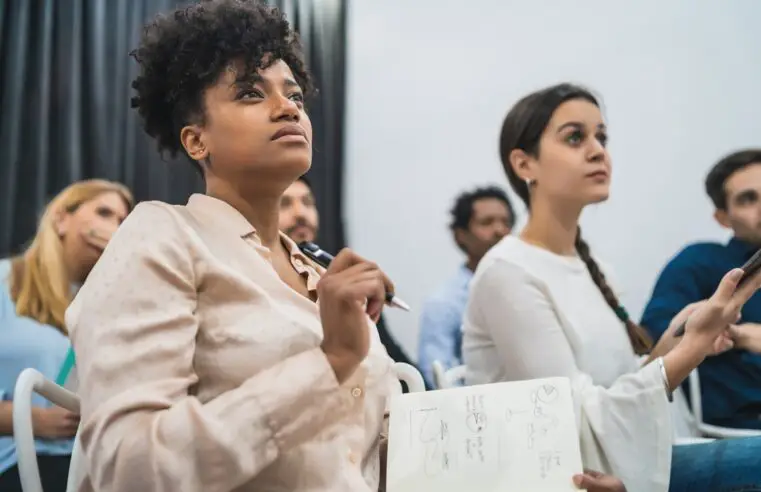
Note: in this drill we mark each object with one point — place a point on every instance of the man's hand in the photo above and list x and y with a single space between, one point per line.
593 481
747 336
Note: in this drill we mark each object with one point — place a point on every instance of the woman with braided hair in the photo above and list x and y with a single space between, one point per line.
541 306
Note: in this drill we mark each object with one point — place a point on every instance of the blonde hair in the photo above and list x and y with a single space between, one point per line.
40 286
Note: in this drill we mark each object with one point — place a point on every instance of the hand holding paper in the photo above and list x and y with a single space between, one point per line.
498 437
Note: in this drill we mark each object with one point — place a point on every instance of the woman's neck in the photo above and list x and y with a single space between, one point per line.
259 207
553 228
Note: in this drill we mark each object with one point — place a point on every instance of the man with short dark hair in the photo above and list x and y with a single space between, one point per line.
730 382
299 219
480 218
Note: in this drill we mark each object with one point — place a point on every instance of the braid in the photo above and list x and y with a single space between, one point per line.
639 338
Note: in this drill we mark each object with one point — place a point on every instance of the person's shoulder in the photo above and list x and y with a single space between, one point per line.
153 222
440 299
511 262
695 254
6 267
5 270
700 248
514 254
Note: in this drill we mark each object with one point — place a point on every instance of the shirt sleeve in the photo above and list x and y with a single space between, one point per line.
134 328
677 286
625 429
440 336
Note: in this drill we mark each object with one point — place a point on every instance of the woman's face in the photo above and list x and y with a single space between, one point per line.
255 125
86 230
573 165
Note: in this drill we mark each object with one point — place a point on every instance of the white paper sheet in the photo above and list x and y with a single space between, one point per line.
506 437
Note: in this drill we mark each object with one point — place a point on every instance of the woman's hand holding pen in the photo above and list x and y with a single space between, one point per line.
351 289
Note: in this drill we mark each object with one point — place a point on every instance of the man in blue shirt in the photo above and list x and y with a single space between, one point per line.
730 382
479 220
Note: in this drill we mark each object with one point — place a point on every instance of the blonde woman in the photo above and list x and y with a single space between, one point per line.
36 287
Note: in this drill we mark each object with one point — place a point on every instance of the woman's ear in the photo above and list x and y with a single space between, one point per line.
192 138
520 161
61 223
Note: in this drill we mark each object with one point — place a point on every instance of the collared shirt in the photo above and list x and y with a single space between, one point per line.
200 369
441 324
730 382
25 343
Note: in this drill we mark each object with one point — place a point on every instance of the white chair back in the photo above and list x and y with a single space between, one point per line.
410 375
708 430
32 381
447 378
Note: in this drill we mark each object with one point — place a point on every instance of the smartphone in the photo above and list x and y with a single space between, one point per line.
749 268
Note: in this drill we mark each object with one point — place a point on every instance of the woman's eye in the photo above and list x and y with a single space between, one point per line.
574 138
603 139
297 96
250 94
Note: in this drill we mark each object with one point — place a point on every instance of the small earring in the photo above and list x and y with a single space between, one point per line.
529 182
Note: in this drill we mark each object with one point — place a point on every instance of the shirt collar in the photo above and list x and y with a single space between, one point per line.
222 214
741 247
216 211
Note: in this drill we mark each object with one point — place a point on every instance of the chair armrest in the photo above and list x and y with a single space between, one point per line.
29 381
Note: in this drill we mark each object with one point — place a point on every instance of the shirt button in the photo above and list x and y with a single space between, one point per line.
298 262
356 392
353 457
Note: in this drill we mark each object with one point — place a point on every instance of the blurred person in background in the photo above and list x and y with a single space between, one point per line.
480 219
731 382
300 220
37 287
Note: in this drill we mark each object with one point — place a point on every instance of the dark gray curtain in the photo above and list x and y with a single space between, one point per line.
64 107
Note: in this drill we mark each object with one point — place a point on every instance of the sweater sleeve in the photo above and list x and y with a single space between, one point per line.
625 428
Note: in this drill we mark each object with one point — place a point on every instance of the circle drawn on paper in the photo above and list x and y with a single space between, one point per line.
547 393
476 422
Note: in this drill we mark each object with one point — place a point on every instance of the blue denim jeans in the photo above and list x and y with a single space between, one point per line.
727 465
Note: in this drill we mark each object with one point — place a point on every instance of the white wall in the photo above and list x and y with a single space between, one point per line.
430 81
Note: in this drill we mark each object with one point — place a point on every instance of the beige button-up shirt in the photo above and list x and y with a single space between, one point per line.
201 370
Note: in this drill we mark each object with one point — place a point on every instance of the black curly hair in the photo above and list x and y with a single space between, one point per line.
183 53
462 211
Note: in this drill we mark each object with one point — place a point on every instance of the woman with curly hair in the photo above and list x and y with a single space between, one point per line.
212 355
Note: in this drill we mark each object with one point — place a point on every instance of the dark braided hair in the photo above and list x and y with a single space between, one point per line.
183 53
522 129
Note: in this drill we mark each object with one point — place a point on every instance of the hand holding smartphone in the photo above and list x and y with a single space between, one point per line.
749 269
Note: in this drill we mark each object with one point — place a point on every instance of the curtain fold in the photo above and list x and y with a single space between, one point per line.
65 88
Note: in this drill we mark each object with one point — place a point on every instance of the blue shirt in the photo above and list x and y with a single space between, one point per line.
26 343
441 324
730 382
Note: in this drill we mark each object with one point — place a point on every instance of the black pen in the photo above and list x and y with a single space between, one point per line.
323 258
